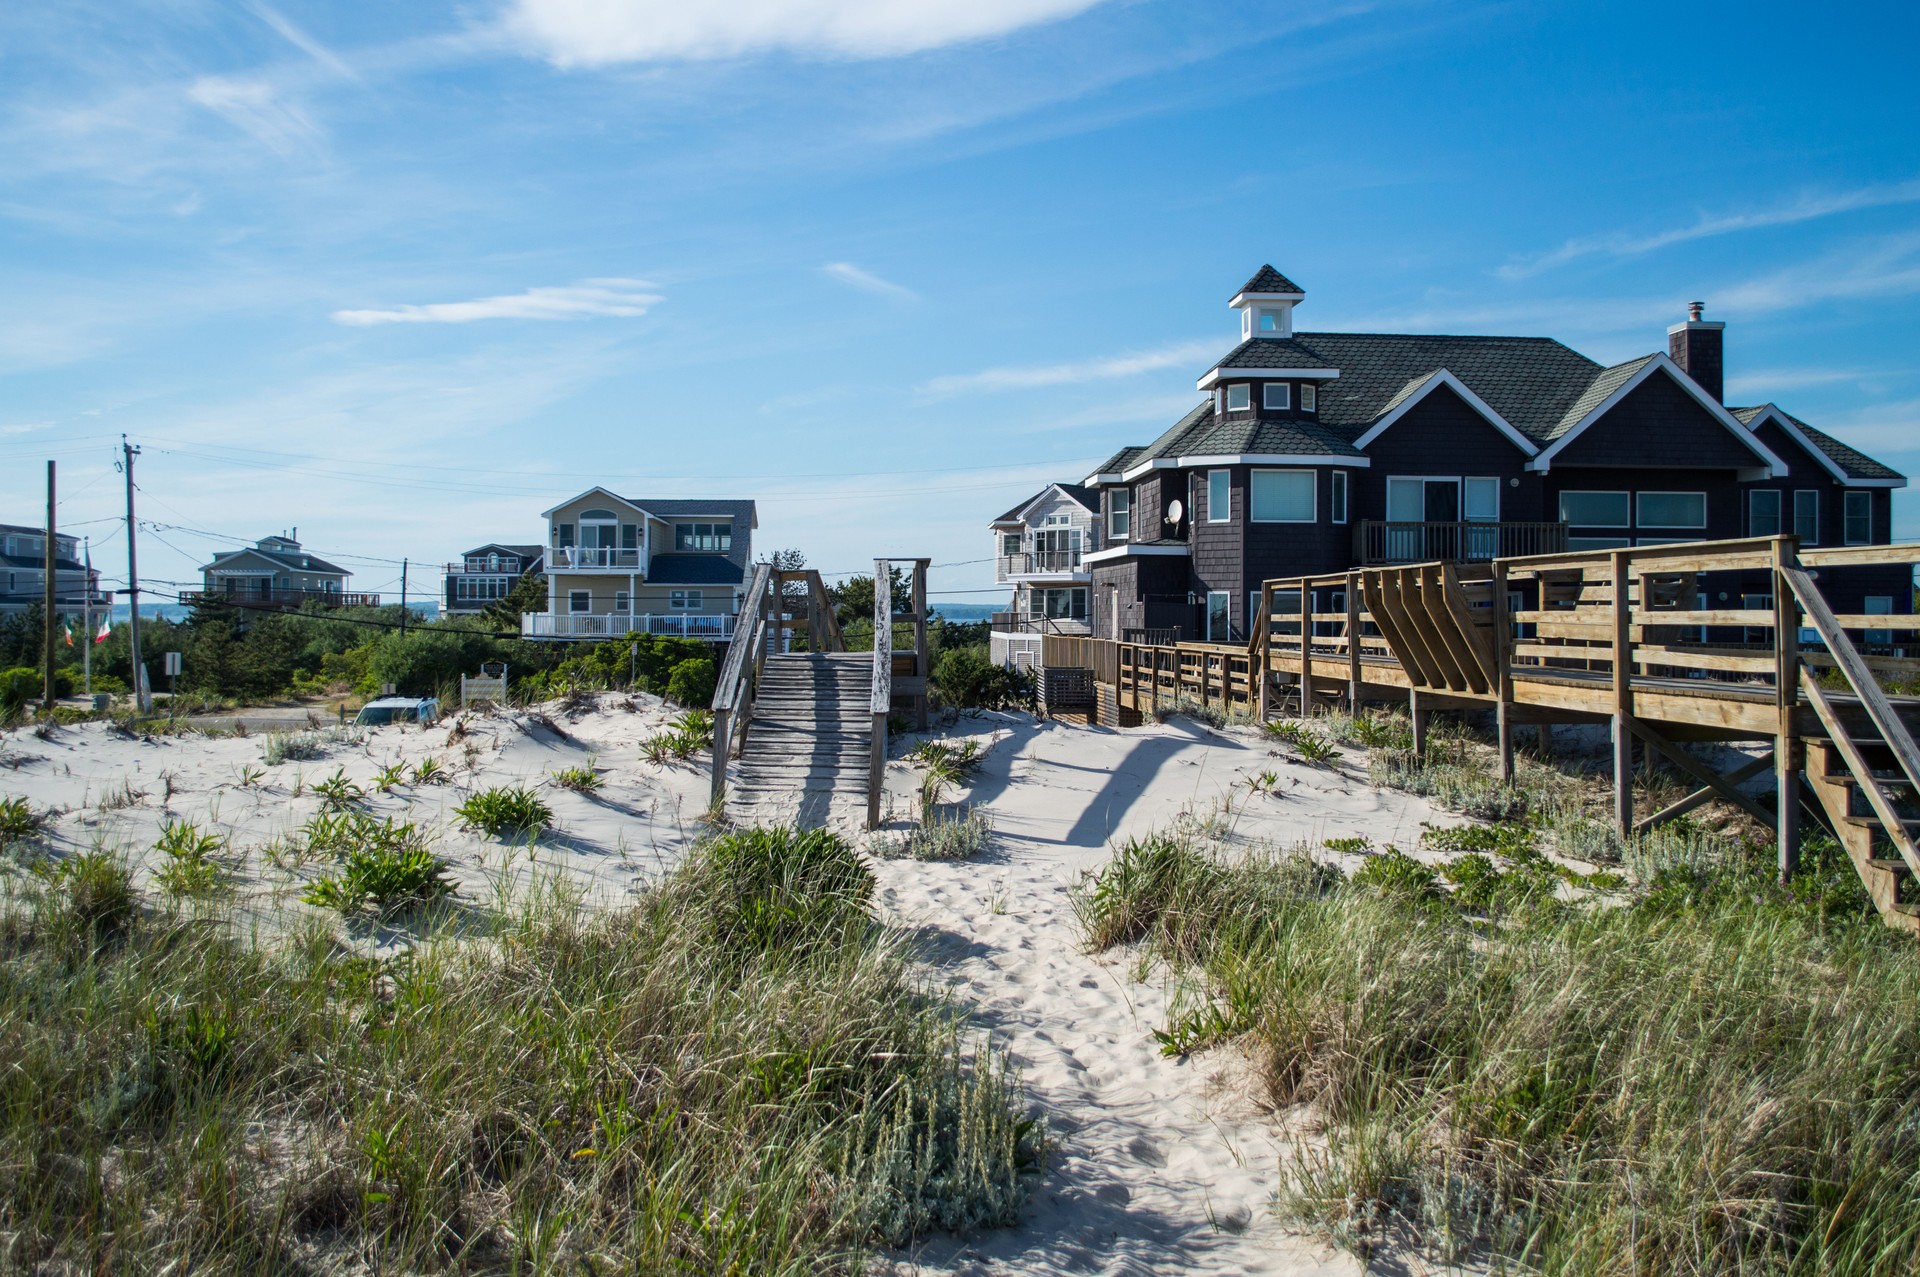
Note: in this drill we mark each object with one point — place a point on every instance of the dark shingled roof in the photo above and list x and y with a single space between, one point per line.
1273 352
1119 461
1609 380
1531 381
1852 462
669 508
292 560
1269 280
524 551
1087 497
1201 434
694 569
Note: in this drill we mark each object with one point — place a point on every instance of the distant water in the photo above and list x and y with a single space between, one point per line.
428 608
968 611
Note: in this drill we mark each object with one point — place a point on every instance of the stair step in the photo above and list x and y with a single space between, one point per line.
1888 864
1911 824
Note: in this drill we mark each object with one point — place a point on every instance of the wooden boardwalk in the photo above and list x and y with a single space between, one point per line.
1579 650
800 722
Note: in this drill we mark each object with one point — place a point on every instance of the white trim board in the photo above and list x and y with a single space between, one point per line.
1662 363
1771 412
1213 375
1440 378
1122 551
1296 460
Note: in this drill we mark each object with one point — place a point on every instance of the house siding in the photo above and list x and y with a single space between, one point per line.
1658 424
1443 436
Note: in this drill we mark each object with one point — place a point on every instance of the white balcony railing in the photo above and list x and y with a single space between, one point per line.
603 625
1039 563
588 558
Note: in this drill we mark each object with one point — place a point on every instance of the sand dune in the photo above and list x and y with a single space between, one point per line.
1161 1164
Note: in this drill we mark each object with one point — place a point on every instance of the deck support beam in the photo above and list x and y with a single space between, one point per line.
1788 752
1418 711
1788 757
1707 793
1622 698
1353 642
1503 672
1722 787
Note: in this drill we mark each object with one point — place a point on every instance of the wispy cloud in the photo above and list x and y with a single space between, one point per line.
1105 369
1807 208
296 36
867 281
1769 381
619 298
598 33
1886 430
258 109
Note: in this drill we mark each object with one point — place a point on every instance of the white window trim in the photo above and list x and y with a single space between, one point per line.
1227 482
1638 522
1337 483
622 602
1120 497
1314 488
579 594
1285 390
1466 479
1243 389
1815 494
1846 519
1211 596
1309 397
1594 492
1778 509
686 600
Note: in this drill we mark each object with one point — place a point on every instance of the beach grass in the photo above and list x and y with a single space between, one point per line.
740 1072
1702 1073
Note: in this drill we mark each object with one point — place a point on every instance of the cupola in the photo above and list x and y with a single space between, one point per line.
1266 304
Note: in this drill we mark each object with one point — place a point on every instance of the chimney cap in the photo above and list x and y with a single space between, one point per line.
1694 310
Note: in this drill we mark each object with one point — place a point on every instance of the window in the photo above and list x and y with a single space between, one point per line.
1858 508
686 600
1337 501
563 535
1281 496
1062 604
1763 513
1309 394
1239 397
629 536
579 601
703 536
1276 394
1758 603
1598 543
621 601
1672 509
1119 514
1806 516
1219 616
1594 510
1009 544
1269 321
1879 605
1483 501
1219 496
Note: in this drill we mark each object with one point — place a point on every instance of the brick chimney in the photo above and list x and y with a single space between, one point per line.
1696 346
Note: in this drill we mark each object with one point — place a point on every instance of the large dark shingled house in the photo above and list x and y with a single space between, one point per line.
1318 452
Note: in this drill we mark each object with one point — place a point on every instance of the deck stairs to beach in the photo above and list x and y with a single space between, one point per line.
800 723
808 744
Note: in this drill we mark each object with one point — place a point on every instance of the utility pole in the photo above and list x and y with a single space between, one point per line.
403 597
140 696
51 653
86 619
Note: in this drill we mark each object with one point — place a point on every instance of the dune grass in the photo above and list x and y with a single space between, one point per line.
739 1073
1705 1074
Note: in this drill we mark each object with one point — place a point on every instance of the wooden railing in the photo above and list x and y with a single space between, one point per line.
888 682
739 677
278 598
1380 542
1039 563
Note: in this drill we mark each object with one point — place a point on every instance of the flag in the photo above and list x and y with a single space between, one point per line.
66 628
106 630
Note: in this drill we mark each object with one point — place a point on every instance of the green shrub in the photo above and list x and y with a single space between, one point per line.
20 685
18 821
96 888
289 747
954 835
384 874
692 683
582 779
967 678
337 792
508 811
782 890
1393 872
190 867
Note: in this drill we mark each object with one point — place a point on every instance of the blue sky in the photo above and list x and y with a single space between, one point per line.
404 275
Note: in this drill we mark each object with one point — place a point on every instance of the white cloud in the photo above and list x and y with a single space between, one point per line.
1770 381
621 298
1807 208
299 39
1106 369
600 32
867 281
256 108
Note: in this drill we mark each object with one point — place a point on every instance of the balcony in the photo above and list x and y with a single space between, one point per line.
482 567
716 627
278 599
1061 563
591 558
1037 623
1379 543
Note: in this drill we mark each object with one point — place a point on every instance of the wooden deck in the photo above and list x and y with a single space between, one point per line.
1614 637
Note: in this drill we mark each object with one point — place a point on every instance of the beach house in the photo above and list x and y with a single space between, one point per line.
487 574
1040 549
275 573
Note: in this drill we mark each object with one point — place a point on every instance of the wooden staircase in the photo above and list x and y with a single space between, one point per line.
808 744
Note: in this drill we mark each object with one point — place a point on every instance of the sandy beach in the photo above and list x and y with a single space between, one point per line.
1159 1164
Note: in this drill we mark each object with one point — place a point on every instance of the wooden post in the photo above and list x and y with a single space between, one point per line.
722 746
1543 741
876 770
1622 698
1788 749
1353 642
1265 670
1417 710
1306 647
1503 670
920 641
50 650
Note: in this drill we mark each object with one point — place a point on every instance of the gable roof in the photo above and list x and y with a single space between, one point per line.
1081 495
296 561
1615 383
1420 388
1269 280
1200 434
1113 465
1848 465
524 551
671 507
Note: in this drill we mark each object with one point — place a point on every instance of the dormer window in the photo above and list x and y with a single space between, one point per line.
1277 395
1269 322
1239 397
1308 397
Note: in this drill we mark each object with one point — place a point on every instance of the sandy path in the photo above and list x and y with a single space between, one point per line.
1162 1165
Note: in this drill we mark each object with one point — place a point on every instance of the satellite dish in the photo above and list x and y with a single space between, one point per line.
1174 511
